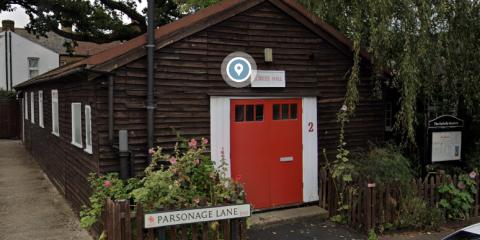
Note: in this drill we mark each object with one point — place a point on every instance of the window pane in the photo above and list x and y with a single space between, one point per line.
239 113
33 62
293 111
32 107
77 123
88 128
259 112
33 73
276 111
249 113
284 111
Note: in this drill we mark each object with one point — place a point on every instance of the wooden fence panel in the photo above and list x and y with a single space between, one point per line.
10 114
372 206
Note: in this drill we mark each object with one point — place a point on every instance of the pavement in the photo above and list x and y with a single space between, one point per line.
30 207
315 228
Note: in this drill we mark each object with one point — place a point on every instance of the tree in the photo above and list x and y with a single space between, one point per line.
98 21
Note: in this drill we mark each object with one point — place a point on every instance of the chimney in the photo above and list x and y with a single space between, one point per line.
8 25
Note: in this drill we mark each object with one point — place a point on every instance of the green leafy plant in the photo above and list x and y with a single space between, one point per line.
7 94
385 166
188 179
414 213
372 235
104 187
457 199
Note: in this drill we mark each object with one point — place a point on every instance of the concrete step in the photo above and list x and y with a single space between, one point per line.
274 217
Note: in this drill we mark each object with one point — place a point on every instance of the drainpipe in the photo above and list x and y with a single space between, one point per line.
110 108
6 59
150 73
10 55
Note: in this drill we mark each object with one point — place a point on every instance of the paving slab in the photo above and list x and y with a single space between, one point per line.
284 215
30 207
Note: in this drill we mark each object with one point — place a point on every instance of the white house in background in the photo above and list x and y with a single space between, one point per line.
21 58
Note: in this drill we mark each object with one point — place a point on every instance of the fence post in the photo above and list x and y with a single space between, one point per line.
160 232
234 229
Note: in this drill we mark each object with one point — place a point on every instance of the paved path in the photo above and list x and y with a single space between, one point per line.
307 229
30 207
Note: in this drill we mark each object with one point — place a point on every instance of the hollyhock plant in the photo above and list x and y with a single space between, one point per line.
472 174
107 184
151 151
204 141
192 143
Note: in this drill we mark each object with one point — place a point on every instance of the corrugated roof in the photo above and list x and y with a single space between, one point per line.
206 16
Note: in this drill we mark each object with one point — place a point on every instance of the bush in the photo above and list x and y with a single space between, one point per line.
7 94
457 200
190 181
383 166
414 213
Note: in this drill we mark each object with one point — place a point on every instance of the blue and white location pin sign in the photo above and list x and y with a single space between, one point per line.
238 69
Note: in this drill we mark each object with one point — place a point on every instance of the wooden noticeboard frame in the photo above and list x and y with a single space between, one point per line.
444 139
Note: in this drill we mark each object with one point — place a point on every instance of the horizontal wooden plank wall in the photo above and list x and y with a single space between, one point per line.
66 165
188 73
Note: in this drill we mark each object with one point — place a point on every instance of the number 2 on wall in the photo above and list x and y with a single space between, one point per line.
310 127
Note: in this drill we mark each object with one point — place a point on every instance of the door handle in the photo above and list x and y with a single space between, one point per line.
286 159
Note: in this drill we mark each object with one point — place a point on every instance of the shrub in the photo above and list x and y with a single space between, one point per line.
190 180
414 213
457 199
383 166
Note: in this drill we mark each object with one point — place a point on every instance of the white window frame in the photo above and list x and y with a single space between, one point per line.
74 121
88 129
55 115
30 68
26 105
32 107
40 109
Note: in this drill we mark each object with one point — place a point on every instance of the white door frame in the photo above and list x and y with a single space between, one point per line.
220 139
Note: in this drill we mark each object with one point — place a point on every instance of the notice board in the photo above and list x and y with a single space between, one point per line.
445 139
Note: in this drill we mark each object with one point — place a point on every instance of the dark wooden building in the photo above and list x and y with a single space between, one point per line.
192 98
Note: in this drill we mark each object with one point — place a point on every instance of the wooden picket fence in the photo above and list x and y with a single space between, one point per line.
123 221
371 206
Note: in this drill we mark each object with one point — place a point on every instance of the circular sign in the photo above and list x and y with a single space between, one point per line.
238 69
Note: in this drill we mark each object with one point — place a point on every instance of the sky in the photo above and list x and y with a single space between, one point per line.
21 19
19 16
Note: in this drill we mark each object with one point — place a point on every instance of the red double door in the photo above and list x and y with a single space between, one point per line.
266 150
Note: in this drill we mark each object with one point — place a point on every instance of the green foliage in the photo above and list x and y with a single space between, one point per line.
414 213
372 235
7 94
97 21
190 180
430 47
457 200
384 166
104 187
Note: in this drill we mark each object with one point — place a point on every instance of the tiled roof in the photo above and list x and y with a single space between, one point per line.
56 42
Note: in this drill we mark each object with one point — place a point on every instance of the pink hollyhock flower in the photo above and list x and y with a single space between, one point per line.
173 160
192 143
107 184
238 178
204 141
197 161
151 151
472 174
461 185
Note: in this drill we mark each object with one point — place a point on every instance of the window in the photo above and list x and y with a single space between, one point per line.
285 111
77 124
40 108
32 107
388 117
55 127
248 113
26 106
88 129
33 66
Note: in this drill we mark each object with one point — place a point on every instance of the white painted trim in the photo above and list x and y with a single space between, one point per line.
220 130
75 121
220 139
310 149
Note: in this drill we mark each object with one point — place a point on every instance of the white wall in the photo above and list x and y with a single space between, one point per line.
22 49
